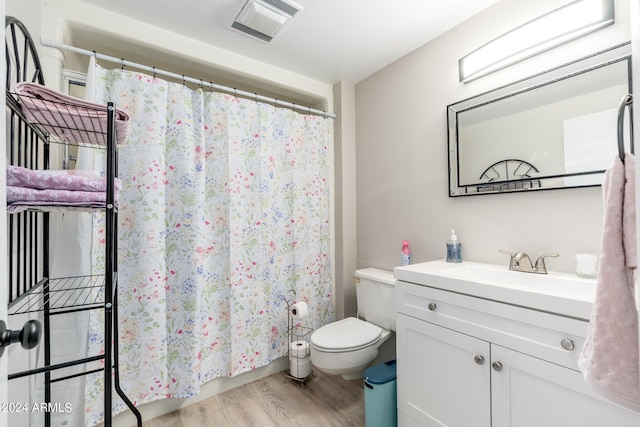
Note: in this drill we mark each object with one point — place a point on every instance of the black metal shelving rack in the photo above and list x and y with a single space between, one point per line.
30 287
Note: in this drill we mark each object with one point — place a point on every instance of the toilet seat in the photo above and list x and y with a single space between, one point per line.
348 334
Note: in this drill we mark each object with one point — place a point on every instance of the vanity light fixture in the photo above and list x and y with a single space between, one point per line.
548 31
264 19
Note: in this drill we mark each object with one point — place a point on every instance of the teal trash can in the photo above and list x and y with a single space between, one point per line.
380 399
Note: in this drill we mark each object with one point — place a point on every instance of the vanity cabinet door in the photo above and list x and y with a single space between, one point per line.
443 376
530 392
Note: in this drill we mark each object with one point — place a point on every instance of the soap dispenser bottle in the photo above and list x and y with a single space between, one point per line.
405 253
454 248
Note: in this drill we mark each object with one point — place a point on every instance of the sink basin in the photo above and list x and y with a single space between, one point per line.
558 293
550 283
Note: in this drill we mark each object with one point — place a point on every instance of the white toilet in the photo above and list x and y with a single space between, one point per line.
346 347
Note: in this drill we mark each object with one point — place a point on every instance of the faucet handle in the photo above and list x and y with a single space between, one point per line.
511 260
540 265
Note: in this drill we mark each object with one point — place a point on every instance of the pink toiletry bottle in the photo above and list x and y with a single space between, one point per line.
405 253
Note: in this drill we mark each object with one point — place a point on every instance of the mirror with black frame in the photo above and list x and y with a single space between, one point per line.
557 129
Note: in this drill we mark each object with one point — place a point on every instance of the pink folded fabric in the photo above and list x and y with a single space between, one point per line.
68 118
57 207
20 196
77 180
610 358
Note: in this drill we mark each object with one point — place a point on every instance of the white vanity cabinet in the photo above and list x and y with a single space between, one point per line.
465 361
439 384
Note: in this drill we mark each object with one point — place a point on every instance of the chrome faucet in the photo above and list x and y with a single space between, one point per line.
520 261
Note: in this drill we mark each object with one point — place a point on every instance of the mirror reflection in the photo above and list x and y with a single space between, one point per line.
554 130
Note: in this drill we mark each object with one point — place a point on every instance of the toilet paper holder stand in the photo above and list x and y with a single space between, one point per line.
298 345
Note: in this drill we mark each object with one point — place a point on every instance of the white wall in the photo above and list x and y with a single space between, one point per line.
402 187
345 200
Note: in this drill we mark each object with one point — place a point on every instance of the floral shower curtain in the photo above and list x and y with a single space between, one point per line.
224 213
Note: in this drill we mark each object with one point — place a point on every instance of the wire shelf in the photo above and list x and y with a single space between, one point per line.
62 295
62 123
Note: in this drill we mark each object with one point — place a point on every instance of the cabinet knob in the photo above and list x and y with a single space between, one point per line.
479 359
567 344
497 366
432 306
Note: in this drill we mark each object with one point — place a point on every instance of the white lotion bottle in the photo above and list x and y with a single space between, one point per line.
454 248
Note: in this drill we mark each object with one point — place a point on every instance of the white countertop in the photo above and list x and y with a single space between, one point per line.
557 293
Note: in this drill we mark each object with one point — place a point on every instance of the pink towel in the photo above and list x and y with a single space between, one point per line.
76 180
20 198
69 118
56 188
610 360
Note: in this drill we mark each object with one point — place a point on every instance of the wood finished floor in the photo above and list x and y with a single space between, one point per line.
325 401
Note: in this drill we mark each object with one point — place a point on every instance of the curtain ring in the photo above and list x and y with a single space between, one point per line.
184 83
201 84
95 55
154 73
121 63
235 93
256 96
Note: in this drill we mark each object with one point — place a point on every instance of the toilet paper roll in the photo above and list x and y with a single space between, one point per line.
299 310
300 368
299 349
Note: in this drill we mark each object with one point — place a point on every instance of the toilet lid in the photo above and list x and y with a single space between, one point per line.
346 334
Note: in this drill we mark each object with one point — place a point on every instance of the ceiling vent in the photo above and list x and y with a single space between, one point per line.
264 19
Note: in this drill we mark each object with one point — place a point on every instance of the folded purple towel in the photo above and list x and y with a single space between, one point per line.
69 118
26 187
20 196
76 180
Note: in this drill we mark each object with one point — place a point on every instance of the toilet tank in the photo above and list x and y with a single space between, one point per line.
375 294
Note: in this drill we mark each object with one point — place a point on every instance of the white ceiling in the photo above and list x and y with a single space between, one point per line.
330 40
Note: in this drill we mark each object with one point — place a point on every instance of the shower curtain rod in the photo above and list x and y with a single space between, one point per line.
156 71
